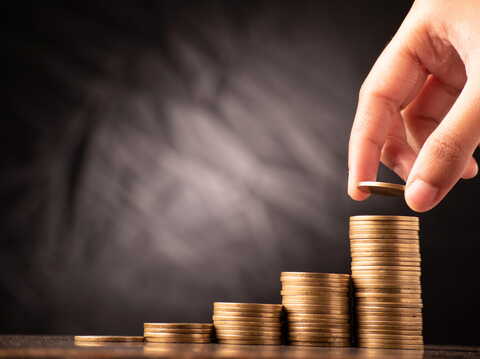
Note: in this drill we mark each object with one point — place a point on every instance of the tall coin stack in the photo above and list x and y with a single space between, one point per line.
317 308
386 274
248 323
178 332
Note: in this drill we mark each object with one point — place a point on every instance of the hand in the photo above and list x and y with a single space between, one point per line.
419 108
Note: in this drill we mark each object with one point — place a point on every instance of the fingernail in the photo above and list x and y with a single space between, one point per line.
421 196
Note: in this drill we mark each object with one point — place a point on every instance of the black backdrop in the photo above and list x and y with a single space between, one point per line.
158 156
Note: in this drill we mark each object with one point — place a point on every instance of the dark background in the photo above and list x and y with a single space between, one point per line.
159 156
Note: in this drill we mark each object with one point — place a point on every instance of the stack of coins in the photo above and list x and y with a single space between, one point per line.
317 307
248 323
178 332
386 274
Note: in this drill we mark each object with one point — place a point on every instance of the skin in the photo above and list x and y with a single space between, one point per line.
419 108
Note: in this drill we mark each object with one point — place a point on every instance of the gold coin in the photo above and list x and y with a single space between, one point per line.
385 262
344 306
300 319
389 320
320 316
251 341
380 235
364 244
378 255
314 309
316 335
249 307
415 222
411 226
390 327
400 280
316 299
316 282
375 303
382 188
391 299
374 253
177 340
170 330
179 325
332 290
326 330
393 346
414 317
411 234
366 341
407 277
313 292
390 331
395 291
394 242
312 275
342 340
306 326
244 336
222 312
248 328
379 309
400 337
107 338
251 332
389 295
411 268
388 229
317 344
255 324
244 319
177 335
384 218
293 312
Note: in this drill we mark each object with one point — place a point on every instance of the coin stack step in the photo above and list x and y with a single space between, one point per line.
248 323
317 308
178 332
386 270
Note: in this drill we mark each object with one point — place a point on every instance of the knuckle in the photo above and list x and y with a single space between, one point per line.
447 148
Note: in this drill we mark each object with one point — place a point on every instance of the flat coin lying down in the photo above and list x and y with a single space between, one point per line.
382 188
107 338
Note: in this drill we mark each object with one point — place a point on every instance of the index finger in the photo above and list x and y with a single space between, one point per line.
393 82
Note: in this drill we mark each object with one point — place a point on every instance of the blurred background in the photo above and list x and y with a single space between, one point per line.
161 155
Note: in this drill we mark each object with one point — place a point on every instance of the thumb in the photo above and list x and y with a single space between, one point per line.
446 153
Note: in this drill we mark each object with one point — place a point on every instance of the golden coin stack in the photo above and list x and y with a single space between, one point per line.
317 308
178 332
247 323
386 270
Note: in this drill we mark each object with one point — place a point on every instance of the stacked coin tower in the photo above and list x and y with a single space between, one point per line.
386 278
248 323
317 308
178 332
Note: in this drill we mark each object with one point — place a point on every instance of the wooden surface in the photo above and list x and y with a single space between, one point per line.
64 347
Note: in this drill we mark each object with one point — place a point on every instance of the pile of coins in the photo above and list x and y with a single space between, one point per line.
178 332
386 270
317 308
248 323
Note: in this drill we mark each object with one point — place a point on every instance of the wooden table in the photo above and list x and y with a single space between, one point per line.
20 346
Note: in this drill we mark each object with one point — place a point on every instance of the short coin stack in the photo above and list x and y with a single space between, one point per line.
386 274
178 332
317 307
248 323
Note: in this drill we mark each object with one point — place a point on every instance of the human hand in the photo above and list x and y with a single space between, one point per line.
419 107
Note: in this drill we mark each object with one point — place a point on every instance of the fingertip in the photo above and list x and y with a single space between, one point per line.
472 169
421 196
358 195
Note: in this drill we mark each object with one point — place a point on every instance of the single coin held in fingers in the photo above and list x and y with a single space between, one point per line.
382 188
